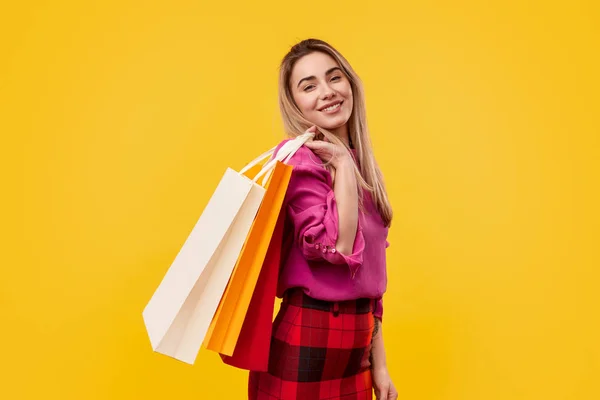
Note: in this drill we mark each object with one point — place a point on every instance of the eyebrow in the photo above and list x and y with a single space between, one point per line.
308 78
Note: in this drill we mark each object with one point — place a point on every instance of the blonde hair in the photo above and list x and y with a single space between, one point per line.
368 174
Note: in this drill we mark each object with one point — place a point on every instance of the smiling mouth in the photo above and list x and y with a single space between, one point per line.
332 107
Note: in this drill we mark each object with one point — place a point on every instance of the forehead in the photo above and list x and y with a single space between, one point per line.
313 64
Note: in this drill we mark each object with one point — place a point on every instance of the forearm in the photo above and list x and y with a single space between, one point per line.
378 359
346 197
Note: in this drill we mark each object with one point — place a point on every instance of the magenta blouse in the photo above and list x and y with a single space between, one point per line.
309 258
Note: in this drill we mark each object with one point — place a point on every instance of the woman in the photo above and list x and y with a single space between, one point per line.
327 340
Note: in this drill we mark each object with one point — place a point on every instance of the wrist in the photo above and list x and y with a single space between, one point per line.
342 161
378 364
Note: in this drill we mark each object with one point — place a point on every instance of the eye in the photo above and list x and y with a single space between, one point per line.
336 78
308 87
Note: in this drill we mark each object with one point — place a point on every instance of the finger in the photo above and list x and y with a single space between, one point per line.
315 144
312 129
383 393
394 394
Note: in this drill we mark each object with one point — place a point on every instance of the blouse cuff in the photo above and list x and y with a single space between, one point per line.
320 243
378 312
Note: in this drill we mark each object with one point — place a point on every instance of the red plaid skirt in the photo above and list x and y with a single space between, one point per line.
319 350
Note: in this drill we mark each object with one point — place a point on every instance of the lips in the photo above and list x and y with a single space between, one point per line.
332 104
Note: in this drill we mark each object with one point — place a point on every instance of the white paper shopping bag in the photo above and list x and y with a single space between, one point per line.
181 309
179 313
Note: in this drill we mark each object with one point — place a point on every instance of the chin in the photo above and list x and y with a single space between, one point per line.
332 123
333 126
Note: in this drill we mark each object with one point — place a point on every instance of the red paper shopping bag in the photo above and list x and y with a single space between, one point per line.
252 348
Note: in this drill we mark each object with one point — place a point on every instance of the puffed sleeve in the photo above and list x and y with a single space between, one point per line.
312 208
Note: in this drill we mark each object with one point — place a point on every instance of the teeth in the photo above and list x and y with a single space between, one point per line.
332 107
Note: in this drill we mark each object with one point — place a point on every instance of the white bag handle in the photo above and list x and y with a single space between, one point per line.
285 153
257 160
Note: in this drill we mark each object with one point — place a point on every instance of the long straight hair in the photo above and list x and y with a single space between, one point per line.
368 174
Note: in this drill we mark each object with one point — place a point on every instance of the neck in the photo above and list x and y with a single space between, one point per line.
342 133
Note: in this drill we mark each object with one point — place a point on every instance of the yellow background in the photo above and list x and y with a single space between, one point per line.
119 118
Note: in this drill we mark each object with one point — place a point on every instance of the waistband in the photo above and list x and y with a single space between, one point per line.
297 297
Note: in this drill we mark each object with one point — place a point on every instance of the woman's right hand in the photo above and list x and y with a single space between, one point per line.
327 151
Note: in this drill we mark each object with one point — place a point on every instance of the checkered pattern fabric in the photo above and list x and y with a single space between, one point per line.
319 350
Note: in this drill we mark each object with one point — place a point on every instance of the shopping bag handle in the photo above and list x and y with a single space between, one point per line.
257 160
285 153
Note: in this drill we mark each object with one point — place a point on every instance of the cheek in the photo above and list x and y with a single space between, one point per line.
305 103
349 96
348 91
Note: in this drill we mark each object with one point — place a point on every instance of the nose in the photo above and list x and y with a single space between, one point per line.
328 92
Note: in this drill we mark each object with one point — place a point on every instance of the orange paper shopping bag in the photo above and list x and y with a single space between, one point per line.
231 313
253 345
227 322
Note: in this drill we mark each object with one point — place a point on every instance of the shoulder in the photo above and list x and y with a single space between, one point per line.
279 146
308 169
303 158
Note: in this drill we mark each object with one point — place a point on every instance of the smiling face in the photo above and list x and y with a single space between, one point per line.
322 92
